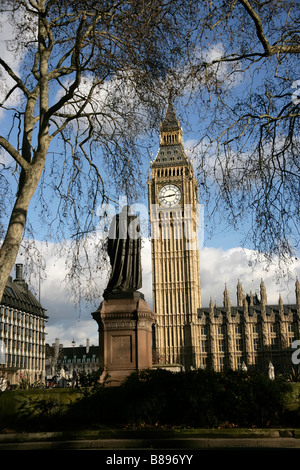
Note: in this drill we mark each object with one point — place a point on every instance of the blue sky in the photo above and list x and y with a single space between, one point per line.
221 258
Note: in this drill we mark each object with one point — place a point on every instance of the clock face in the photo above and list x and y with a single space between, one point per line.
169 195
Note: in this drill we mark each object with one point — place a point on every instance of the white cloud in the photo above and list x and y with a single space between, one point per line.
217 266
68 321
12 51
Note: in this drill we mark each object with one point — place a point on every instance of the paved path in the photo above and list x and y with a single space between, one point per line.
59 441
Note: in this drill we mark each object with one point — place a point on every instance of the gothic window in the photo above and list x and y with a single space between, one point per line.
274 344
203 362
273 328
239 362
238 329
221 330
204 330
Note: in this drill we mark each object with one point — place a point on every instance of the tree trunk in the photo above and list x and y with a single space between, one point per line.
11 244
30 177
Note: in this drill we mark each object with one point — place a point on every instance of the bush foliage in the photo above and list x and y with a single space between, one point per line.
201 398
196 399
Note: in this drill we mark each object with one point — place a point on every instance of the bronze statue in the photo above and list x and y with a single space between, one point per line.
124 250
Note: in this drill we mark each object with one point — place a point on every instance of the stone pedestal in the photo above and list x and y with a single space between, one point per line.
125 335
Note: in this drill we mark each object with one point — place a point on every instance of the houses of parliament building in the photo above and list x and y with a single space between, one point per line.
250 335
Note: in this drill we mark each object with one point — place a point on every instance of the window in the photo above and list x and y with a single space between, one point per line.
239 362
221 330
203 330
203 363
10 291
274 343
238 329
274 328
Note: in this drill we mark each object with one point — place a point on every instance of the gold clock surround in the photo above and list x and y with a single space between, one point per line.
169 195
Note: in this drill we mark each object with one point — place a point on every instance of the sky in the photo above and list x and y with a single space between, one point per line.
222 260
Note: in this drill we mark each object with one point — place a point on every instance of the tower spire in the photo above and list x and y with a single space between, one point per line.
170 122
170 129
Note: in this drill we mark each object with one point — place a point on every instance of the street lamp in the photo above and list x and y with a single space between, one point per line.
73 344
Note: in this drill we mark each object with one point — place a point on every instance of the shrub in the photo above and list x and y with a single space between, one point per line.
201 398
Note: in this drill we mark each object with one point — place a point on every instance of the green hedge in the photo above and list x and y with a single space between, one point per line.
35 406
200 399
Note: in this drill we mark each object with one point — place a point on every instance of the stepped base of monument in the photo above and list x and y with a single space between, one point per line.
125 335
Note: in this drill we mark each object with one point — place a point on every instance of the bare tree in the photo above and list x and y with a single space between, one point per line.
244 80
88 82
82 88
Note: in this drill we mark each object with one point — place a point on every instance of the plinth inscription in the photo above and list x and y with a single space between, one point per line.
121 349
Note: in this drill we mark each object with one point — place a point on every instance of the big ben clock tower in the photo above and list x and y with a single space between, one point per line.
173 207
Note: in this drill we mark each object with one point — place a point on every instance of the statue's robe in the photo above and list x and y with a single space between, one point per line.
124 250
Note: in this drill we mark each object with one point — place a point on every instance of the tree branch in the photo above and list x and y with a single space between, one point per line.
259 26
14 77
268 48
14 154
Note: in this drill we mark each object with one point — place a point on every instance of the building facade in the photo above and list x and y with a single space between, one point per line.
22 333
251 334
64 364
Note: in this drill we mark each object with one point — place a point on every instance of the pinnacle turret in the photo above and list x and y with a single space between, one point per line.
263 293
240 294
170 122
226 299
297 292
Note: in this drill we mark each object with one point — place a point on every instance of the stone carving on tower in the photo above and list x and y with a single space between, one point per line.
173 204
